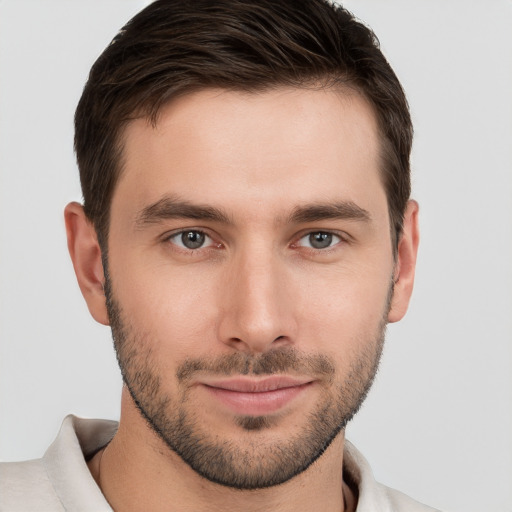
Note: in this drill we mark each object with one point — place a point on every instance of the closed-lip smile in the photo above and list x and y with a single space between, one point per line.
256 396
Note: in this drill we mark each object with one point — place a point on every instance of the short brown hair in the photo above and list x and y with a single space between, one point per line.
174 47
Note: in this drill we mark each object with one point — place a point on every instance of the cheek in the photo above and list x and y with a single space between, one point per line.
178 308
344 308
169 308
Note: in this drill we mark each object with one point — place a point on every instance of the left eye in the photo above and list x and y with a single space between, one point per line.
191 239
319 240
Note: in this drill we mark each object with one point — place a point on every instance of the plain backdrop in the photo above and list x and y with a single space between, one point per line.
438 422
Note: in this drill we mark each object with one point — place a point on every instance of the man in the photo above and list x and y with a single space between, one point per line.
248 322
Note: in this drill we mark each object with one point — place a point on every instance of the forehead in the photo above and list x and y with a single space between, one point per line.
273 147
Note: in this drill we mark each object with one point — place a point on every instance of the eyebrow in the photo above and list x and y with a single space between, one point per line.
325 211
173 208
170 207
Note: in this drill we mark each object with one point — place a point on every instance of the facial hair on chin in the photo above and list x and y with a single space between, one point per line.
251 464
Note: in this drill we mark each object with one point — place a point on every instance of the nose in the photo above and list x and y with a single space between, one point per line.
257 311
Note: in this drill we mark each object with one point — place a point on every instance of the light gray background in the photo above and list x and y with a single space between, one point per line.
438 422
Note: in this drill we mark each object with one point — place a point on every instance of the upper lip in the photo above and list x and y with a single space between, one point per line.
252 385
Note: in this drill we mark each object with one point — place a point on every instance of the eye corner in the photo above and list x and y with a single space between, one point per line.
319 240
188 239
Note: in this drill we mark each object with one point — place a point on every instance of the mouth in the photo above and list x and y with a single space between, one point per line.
257 397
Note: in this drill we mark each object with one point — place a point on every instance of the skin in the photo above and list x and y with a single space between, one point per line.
256 287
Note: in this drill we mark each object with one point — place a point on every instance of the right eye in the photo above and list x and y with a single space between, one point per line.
191 239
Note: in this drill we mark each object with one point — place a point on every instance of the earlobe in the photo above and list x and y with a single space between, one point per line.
85 254
406 263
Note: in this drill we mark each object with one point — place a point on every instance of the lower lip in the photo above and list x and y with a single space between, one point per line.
257 404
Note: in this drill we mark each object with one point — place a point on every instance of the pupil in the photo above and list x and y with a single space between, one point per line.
192 239
320 240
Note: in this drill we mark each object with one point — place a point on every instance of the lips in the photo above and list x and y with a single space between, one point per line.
249 396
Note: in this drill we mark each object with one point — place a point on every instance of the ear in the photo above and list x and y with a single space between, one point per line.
85 253
406 263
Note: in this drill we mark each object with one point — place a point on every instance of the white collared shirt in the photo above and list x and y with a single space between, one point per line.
61 481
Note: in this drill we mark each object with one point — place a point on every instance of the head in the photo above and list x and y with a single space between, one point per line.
246 229
173 48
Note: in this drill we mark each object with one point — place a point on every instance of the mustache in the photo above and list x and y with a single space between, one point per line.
282 360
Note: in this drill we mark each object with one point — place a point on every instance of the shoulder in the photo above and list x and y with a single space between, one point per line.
25 486
371 494
60 480
401 502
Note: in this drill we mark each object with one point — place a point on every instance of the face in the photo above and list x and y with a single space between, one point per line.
250 270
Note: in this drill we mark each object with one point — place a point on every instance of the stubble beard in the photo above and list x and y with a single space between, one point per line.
252 464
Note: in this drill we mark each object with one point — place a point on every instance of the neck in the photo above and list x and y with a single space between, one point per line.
137 471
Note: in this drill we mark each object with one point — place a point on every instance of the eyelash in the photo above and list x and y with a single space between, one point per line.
176 235
341 239
329 248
